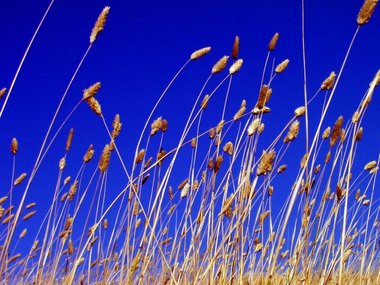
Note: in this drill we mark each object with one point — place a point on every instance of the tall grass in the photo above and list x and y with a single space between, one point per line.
202 211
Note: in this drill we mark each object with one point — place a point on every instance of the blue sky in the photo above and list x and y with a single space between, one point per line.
143 45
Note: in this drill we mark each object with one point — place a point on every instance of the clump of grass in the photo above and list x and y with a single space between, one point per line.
209 219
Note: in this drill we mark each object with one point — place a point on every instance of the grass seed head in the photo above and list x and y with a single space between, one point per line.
359 134
91 91
281 168
370 165
140 156
205 100
62 163
19 179
241 111
116 126
235 48
329 82
300 111
89 154
104 161
95 106
73 190
69 139
273 42
220 65
199 53
14 146
229 148
293 132
366 11
2 92
236 66
266 162
282 66
252 128
29 215
336 132
99 24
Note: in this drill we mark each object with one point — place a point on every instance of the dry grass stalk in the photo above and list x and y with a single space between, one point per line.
19 179
300 111
104 161
23 233
94 105
14 146
236 66
140 156
266 162
29 215
282 66
99 24
69 139
199 53
204 103
220 65
235 48
366 11
62 163
370 165
91 91
281 168
329 82
241 111
89 154
2 92
229 148
73 190
273 42
336 131
293 132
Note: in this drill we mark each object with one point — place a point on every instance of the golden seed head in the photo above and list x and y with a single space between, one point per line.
164 125
260 129
99 24
293 132
304 160
336 133
185 190
14 146
104 161
219 127
220 65
62 163
116 126
218 163
359 134
264 96
355 117
235 48
199 53
211 133
3 199
94 105
236 66
281 169
252 128
266 162
329 82
156 126
2 92
30 205
182 184
23 233
69 139
91 91
19 179
282 66
273 42
300 111
263 216
370 165
366 11
328 157
73 190
193 143
160 156
228 148
140 156
326 133
29 215
241 111
205 101
89 154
